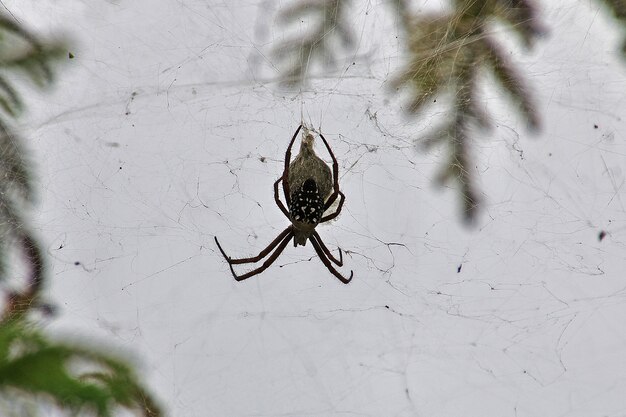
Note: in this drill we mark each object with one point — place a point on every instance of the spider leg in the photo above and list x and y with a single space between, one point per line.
336 191
261 254
280 204
324 259
285 176
331 216
281 241
269 261
338 262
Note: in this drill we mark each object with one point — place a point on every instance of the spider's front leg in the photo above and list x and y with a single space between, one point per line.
285 176
336 191
279 203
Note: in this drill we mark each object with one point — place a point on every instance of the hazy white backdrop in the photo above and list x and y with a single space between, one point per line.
168 128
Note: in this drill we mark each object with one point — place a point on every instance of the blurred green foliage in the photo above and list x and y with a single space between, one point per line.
76 377
82 380
446 54
330 19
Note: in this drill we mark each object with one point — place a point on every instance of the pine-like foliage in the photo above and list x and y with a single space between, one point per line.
20 53
618 9
81 380
447 54
297 55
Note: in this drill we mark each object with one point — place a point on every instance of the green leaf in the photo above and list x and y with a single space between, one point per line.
9 99
35 366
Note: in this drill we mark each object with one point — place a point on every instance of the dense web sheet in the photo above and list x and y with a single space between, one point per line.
168 128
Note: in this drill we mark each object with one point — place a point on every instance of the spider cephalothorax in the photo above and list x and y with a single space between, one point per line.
310 188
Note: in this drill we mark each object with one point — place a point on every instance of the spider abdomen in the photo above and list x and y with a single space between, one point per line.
307 165
306 203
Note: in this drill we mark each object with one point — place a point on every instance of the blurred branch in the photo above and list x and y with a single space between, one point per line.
618 9
20 303
78 379
446 54
20 52
298 54
16 194
519 15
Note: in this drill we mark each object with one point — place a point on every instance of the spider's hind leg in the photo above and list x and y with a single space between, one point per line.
327 252
281 241
317 245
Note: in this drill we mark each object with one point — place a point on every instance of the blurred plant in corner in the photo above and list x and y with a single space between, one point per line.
35 370
445 55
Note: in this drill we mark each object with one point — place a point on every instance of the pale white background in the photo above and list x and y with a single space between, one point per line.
168 128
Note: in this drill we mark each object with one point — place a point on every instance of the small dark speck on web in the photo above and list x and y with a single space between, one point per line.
601 235
595 126
262 159
60 247
76 263
387 307
458 268
48 309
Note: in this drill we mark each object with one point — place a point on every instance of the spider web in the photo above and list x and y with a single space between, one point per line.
169 127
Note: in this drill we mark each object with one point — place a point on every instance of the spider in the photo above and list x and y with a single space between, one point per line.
309 189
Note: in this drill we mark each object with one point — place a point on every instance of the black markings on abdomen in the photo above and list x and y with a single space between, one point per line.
306 203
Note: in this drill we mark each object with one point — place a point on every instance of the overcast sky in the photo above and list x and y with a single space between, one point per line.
167 129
